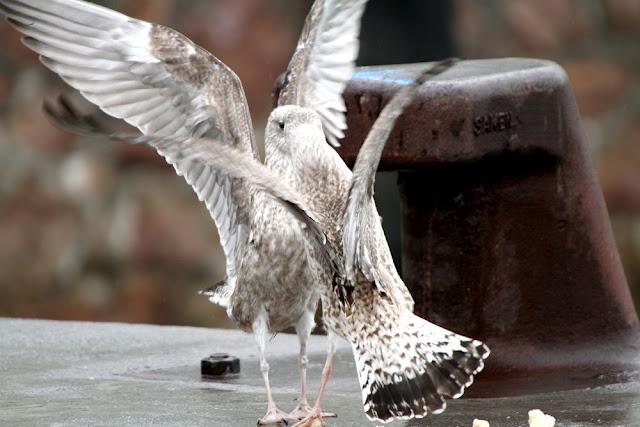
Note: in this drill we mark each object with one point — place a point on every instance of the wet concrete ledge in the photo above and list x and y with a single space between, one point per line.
78 374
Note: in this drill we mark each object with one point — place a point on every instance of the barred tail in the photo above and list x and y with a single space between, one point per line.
408 372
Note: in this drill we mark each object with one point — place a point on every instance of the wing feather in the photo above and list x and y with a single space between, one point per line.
211 167
117 61
324 62
157 80
364 244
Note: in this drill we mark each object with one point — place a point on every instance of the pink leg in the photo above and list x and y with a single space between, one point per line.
314 419
303 329
273 415
303 409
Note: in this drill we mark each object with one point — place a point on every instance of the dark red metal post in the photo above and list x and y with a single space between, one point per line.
505 233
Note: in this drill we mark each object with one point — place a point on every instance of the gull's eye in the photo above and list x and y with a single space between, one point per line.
281 124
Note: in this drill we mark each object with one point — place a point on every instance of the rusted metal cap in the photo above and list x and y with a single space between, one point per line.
505 233
219 365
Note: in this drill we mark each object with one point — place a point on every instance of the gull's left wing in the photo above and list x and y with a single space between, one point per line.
324 61
157 80
215 154
363 239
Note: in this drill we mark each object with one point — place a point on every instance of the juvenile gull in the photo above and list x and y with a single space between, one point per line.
162 83
406 365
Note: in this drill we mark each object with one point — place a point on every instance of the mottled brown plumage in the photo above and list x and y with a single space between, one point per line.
406 365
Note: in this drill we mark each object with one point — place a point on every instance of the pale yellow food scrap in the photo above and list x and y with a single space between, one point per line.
480 423
537 418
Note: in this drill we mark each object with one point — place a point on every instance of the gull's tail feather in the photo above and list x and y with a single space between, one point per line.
407 372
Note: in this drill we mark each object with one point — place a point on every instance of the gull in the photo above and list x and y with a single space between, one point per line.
406 365
162 83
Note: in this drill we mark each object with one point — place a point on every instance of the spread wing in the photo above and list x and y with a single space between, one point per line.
215 155
324 62
233 164
364 244
158 81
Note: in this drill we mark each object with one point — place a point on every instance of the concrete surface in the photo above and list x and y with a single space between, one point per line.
79 374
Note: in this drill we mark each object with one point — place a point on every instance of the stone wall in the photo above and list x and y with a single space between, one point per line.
99 230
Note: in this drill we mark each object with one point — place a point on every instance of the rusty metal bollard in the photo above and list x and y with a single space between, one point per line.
505 233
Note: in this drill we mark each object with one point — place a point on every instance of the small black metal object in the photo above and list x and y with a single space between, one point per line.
219 365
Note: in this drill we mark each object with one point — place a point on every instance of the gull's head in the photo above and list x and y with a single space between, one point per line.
290 125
